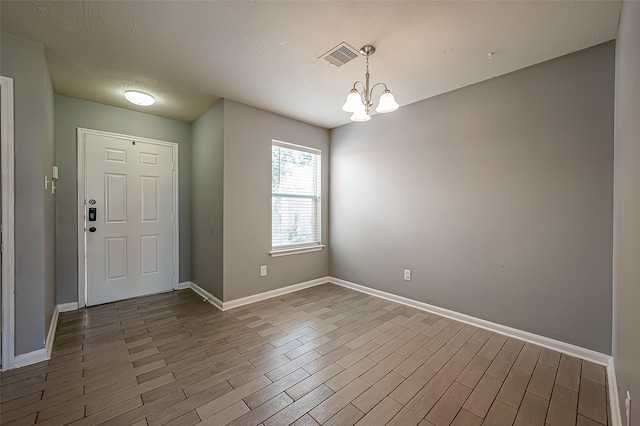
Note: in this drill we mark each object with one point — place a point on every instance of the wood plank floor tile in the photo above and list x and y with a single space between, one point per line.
500 415
263 395
382 413
387 349
563 407
550 358
264 411
348 416
347 376
594 372
336 402
382 368
222 402
140 413
377 392
474 371
465 418
167 414
584 421
493 346
310 383
412 385
300 407
444 378
592 401
527 359
483 396
501 365
542 381
416 409
305 420
513 388
513 345
569 373
446 409
227 415
532 412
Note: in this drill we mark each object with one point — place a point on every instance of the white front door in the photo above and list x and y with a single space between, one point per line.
129 218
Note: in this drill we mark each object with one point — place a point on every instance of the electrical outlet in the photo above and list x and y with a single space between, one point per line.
407 274
263 270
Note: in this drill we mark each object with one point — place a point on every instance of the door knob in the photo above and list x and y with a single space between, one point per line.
92 229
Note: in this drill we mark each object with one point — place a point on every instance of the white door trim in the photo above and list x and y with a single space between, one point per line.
82 253
8 239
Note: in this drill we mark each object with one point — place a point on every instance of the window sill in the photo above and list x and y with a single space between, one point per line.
297 250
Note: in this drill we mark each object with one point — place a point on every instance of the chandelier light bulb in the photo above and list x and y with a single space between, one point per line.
353 102
360 116
387 103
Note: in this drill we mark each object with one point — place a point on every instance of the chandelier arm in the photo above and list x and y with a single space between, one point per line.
374 86
356 83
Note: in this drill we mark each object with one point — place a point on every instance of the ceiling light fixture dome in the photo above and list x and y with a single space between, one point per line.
139 98
359 104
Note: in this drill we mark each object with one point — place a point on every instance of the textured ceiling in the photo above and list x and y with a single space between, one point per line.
188 54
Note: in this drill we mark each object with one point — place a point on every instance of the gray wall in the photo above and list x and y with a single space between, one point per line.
626 211
248 133
207 144
72 113
498 196
25 62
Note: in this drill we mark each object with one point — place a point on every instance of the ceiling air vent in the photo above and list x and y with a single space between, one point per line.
341 54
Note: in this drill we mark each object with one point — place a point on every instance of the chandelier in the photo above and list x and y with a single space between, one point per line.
359 104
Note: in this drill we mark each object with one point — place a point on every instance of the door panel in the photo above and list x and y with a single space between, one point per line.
130 252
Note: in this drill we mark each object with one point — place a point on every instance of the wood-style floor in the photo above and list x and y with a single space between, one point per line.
325 355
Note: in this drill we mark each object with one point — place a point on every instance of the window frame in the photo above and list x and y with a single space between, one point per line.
317 245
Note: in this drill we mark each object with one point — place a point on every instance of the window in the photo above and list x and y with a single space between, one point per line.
295 199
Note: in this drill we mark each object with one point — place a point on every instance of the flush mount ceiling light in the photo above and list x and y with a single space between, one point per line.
139 98
359 104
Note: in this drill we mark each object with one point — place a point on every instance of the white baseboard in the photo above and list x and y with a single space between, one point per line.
51 335
273 293
30 358
66 307
556 345
225 306
204 293
614 398
184 285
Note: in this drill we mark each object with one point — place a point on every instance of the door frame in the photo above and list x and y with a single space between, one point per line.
82 249
8 236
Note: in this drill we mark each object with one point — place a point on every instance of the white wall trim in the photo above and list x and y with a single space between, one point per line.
66 307
30 358
225 306
207 296
51 335
8 238
614 398
82 261
184 285
273 293
556 345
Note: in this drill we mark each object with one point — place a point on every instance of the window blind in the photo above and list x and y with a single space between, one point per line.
295 196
